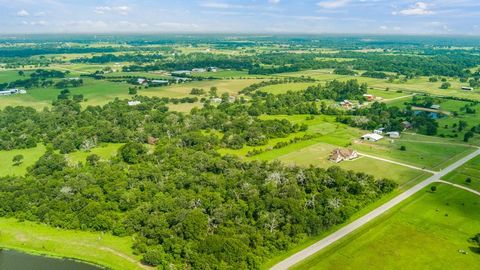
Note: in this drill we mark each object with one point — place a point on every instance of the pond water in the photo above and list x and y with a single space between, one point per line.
12 260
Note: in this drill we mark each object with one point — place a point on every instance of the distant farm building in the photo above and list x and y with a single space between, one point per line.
199 70
158 82
142 81
393 134
212 69
369 97
466 88
435 107
406 125
134 103
372 137
10 92
216 100
339 155
346 104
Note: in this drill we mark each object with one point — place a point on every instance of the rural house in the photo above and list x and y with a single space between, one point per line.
466 88
339 155
369 97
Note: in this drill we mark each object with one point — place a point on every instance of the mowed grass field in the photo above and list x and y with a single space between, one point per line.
433 153
284 88
104 151
107 250
425 232
100 92
30 157
329 135
469 170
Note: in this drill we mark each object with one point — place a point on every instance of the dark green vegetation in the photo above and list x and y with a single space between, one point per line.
184 202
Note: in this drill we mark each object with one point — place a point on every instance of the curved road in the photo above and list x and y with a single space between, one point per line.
307 252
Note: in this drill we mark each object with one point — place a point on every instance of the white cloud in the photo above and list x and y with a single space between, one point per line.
383 27
419 8
274 1
23 13
40 14
122 10
333 3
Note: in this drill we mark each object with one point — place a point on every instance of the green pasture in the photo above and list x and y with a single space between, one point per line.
284 88
30 156
104 151
432 155
469 170
99 248
425 232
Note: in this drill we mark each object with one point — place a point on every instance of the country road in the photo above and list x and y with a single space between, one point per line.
349 228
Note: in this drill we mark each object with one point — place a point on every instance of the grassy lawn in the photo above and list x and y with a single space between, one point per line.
422 85
470 170
318 154
30 157
284 88
99 248
231 87
104 151
424 232
420 152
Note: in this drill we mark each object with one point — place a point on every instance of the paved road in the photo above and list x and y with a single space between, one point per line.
302 255
398 163
460 186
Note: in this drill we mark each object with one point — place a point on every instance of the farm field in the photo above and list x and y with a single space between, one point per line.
422 85
423 154
101 248
30 157
425 232
470 170
284 88
318 154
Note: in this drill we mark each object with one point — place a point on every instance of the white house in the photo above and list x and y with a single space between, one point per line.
393 134
372 137
134 103
181 73
212 69
435 107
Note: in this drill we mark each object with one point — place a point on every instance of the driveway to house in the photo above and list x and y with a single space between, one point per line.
398 163
460 186
349 228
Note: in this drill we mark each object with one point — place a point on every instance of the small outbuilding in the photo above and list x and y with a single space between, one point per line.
466 88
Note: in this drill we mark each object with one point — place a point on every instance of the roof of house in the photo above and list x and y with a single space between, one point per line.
373 136
344 153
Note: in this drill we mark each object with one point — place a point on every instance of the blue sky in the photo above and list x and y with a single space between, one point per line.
247 16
